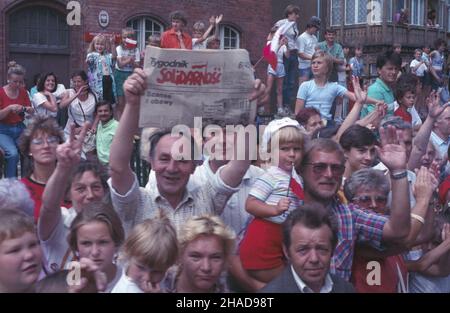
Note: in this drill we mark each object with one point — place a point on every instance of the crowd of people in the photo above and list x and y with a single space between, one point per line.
355 196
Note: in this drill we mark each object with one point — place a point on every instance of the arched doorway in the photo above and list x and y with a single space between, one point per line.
38 39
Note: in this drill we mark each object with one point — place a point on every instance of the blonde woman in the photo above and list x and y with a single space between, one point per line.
206 244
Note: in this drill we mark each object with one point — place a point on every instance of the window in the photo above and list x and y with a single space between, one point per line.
417 12
229 38
38 27
448 19
336 17
355 12
441 14
390 12
144 27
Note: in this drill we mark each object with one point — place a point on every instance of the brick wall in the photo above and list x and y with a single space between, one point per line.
252 18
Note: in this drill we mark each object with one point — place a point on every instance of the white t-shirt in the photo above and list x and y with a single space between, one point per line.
121 52
320 97
109 288
126 285
306 44
291 34
56 248
39 98
420 70
80 111
198 45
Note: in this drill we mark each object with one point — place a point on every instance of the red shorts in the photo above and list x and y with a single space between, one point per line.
261 247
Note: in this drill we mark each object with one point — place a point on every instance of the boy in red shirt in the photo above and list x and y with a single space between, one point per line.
176 38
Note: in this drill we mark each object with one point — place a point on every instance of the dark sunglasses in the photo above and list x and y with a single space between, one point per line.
320 168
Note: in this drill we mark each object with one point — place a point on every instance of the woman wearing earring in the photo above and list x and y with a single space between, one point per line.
38 144
14 103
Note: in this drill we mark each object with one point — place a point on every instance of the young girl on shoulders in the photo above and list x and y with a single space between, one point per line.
271 199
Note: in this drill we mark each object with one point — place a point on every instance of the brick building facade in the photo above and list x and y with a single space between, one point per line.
35 32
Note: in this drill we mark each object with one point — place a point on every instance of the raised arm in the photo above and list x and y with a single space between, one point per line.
233 172
66 99
423 191
122 176
434 262
50 104
212 22
353 116
393 155
68 155
422 137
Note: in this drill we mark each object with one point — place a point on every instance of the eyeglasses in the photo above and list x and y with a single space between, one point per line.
367 200
320 168
51 141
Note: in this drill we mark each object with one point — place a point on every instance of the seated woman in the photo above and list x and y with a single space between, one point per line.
14 103
45 101
205 243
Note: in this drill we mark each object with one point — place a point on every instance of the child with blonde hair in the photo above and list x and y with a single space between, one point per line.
128 57
271 199
100 60
200 37
318 92
150 249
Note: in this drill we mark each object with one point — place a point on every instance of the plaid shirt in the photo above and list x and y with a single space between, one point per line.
355 225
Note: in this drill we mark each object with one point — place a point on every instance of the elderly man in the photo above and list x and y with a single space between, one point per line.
170 198
440 136
322 169
309 238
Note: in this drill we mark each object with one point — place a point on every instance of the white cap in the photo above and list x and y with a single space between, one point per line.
275 126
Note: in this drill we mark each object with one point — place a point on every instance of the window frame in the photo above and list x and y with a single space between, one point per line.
40 12
419 10
141 32
222 37
357 4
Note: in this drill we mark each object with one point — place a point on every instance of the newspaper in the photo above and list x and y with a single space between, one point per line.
182 84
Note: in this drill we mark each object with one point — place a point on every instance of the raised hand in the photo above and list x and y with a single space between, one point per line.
360 95
219 19
68 153
424 185
82 89
134 87
391 153
434 107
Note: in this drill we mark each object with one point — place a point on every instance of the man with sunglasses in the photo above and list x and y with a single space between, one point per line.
322 168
